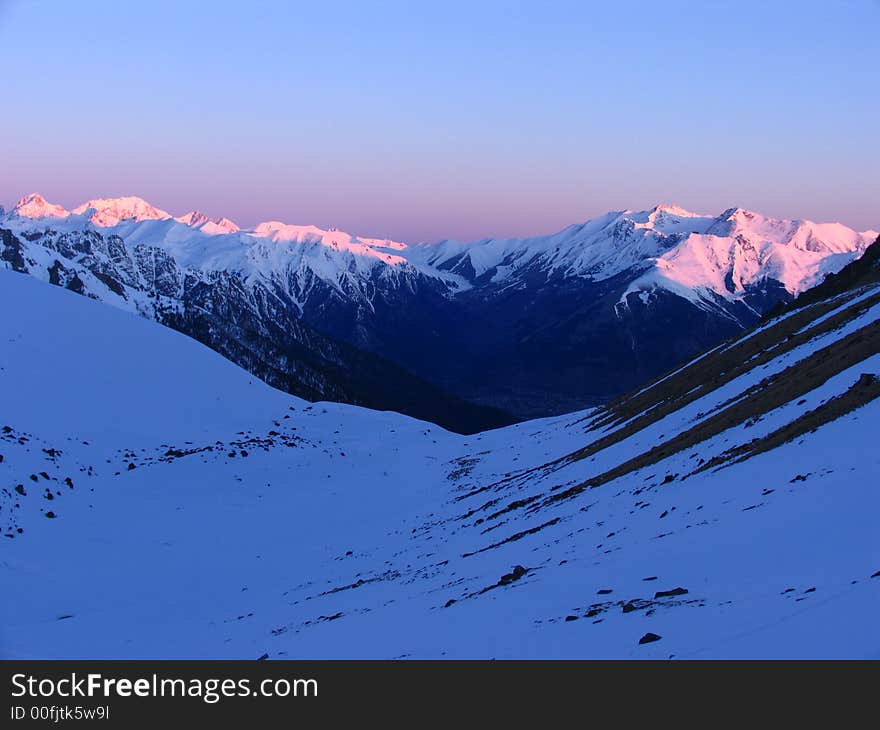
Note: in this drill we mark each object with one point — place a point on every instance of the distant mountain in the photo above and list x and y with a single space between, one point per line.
531 326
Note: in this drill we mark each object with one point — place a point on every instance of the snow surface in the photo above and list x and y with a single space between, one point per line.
346 533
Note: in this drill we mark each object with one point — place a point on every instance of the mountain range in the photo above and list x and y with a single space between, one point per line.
157 501
467 335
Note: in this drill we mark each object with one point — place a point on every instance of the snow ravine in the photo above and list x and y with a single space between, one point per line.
197 512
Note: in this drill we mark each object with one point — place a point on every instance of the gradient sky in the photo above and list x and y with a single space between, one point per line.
429 120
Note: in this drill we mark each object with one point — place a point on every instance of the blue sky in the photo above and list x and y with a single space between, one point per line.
423 121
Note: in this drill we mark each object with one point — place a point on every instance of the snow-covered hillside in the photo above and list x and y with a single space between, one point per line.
160 502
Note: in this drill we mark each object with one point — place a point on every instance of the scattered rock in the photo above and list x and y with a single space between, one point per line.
603 591
515 574
674 592
571 618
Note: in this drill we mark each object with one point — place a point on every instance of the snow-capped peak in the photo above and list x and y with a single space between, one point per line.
112 211
35 205
212 226
333 238
194 218
674 210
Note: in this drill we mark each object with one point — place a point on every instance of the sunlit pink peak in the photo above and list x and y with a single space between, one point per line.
111 211
284 232
278 231
36 206
212 226
193 218
674 210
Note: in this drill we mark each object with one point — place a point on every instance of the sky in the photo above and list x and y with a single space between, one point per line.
431 120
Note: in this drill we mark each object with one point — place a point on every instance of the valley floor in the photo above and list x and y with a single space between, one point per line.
159 502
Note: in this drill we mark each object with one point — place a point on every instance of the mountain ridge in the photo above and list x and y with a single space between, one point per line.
667 222
531 327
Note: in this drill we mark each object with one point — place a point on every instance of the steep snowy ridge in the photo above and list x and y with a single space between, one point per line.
271 250
686 253
211 226
725 510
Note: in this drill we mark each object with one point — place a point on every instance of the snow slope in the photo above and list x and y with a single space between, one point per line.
207 515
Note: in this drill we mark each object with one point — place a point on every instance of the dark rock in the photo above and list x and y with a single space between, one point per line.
673 592
649 637
515 574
